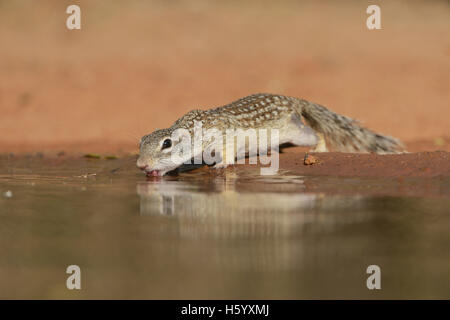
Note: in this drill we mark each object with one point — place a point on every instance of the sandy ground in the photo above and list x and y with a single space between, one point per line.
137 67
417 165
421 164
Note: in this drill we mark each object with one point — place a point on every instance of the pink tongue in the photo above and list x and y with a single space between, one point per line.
153 173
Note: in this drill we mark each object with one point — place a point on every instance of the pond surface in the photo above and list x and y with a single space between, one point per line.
217 234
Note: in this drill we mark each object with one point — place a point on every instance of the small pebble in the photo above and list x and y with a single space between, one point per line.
8 194
309 159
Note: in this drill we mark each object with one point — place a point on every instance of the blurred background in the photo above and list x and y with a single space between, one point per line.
139 65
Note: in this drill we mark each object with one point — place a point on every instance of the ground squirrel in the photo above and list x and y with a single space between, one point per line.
269 112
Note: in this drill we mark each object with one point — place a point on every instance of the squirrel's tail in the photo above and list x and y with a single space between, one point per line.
345 134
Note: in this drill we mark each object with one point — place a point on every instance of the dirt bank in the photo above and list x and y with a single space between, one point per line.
422 164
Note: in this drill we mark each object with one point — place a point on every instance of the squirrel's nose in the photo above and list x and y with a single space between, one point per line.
143 167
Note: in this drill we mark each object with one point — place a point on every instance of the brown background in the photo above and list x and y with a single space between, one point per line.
139 65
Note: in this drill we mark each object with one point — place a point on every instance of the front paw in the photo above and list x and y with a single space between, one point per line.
220 165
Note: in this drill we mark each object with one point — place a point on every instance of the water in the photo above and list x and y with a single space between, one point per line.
217 235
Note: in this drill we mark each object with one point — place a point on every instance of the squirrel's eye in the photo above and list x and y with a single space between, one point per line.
166 144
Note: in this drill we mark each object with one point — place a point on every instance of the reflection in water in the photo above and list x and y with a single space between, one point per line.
236 201
218 235
235 208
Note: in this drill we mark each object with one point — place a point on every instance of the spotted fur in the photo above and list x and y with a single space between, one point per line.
284 113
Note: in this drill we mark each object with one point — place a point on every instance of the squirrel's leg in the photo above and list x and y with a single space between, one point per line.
221 163
298 134
321 145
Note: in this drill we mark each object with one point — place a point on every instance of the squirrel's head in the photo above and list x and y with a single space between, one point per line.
156 152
